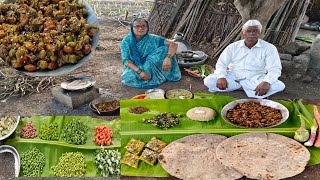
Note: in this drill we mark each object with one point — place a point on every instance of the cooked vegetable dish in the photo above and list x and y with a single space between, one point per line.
135 146
44 35
252 114
156 144
6 125
149 156
130 159
163 120
138 110
179 94
107 106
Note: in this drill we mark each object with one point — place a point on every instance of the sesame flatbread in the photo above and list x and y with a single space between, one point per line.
260 155
193 157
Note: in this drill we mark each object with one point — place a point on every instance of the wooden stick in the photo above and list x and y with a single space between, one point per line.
296 28
184 18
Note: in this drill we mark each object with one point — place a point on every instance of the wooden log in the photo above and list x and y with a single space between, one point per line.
283 19
275 20
235 32
174 12
203 9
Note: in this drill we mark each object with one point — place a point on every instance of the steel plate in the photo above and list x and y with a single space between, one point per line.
67 68
12 150
89 81
13 129
264 102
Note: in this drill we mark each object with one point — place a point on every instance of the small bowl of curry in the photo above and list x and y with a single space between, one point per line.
105 106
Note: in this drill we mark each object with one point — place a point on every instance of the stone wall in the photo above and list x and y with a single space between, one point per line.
297 63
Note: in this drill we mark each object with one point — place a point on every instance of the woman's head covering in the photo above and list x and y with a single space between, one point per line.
135 52
132 24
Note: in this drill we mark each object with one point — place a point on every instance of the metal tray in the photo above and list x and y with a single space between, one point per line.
12 130
12 150
67 68
115 111
197 56
183 63
181 96
87 79
183 45
264 102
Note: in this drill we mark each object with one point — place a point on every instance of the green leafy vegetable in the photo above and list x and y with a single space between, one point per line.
203 69
75 132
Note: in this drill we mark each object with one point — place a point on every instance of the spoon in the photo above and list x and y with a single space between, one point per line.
94 106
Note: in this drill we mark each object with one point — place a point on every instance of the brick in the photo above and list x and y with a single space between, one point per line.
74 99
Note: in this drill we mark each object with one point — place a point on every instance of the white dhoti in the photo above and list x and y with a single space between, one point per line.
248 85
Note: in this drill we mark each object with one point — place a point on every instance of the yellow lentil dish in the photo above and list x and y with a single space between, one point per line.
44 35
254 115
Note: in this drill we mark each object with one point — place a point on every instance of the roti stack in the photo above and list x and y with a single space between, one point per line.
193 157
262 155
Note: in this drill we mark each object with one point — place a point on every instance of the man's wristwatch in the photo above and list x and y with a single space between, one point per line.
139 71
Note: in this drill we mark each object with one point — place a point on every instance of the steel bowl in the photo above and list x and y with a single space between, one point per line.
140 96
179 94
264 102
17 118
154 90
104 100
14 152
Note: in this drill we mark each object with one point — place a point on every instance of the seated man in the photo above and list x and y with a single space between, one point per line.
251 63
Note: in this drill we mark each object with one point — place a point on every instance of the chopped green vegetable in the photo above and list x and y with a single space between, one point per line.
108 162
70 164
32 163
75 132
49 131
163 120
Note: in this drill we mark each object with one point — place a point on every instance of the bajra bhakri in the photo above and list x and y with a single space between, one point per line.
261 155
201 114
193 157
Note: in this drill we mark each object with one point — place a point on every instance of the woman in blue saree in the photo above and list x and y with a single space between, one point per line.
148 59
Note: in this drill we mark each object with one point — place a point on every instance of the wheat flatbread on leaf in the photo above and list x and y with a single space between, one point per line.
193 157
260 155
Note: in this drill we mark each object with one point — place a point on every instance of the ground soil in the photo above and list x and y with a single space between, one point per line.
105 66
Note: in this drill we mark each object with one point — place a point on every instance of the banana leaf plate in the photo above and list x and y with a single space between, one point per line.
133 127
54 149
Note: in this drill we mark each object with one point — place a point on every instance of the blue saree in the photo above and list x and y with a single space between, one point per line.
148 54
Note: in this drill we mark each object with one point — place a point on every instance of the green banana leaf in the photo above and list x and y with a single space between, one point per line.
133 127
54 149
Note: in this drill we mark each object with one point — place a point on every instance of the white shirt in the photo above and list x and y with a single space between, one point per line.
261 62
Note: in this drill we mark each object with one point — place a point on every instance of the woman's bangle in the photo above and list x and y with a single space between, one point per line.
139 71
127 62
169 56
